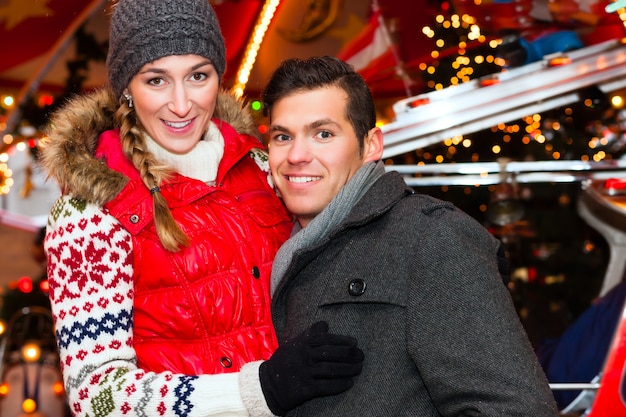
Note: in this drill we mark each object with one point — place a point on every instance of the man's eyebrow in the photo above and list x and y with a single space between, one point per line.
278 128
321 122
312 125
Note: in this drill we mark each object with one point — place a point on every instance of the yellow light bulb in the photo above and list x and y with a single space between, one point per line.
4 389
31 352
29 405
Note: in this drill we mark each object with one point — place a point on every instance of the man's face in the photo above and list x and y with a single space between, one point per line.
313 150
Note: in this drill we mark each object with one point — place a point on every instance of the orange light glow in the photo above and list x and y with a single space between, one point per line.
558 61
58 389
419 102
29 406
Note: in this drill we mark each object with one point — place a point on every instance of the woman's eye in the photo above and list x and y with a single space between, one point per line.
198 76
156 81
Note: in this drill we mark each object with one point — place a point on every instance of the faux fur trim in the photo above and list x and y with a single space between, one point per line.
68 150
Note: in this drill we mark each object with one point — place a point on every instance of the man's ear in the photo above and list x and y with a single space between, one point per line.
373 145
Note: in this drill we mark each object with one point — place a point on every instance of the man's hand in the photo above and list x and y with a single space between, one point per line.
314 364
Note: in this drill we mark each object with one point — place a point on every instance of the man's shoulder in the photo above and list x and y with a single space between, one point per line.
428 213
392 196
420 205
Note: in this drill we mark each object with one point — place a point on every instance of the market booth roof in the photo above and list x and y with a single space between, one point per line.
38 36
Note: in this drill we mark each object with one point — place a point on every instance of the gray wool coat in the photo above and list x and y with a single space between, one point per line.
419 284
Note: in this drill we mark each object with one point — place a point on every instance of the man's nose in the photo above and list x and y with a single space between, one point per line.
299 152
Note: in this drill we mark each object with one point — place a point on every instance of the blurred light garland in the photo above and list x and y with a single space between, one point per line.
591 131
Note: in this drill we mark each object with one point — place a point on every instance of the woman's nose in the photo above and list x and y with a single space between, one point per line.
179 104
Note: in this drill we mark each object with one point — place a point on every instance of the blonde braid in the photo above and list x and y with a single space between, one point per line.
152 173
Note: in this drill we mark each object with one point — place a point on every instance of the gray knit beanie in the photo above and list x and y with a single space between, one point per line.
142 31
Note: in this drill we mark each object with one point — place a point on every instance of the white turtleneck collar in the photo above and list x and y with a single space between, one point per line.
201 162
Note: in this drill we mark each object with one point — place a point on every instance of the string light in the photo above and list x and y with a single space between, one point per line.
8 101
454 62
250 55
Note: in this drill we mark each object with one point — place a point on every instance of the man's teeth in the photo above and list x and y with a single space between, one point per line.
177 125
304 179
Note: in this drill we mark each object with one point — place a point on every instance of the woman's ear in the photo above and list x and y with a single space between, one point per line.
373 145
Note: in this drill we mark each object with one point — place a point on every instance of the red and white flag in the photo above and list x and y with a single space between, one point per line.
371 52
30 28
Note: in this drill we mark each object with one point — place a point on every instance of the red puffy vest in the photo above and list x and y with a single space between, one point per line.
205 308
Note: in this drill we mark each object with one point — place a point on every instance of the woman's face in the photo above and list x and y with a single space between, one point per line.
174 98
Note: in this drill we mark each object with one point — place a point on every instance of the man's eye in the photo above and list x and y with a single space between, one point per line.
281 138
324 134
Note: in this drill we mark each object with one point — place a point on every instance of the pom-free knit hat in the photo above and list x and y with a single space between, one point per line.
142 31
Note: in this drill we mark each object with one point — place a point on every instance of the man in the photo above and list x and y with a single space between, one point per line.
415 280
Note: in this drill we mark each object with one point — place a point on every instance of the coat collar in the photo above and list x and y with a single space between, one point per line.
380 198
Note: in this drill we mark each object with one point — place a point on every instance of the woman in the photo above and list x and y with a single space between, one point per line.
160 249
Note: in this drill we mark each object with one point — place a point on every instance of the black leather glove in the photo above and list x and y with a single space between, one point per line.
314 364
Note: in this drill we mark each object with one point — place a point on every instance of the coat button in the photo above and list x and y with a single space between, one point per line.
226 362
256 273
356 287
134 219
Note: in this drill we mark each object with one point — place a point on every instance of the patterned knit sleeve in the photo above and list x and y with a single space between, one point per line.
91 292
261 158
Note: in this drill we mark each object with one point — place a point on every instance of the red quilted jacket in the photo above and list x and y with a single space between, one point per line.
206 308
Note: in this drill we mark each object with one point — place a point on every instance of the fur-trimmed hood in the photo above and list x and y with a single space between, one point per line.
68 151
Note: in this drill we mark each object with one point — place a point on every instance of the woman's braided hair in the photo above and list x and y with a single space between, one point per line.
153 173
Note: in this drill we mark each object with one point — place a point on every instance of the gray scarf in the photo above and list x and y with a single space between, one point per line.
328 219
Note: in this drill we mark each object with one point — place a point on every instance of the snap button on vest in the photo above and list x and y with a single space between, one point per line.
226 362
256 273
134 219
356 287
